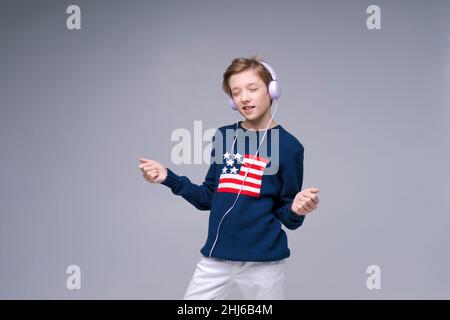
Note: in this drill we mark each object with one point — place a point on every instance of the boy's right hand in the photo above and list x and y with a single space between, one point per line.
153 171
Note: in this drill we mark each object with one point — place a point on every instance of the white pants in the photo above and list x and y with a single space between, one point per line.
214 279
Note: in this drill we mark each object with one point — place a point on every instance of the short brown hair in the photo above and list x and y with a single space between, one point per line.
242 64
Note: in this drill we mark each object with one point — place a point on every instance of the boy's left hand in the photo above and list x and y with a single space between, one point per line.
305 201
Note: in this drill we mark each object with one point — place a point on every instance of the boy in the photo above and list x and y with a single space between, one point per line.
246 245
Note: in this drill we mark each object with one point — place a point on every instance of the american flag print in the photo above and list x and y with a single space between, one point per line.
234 170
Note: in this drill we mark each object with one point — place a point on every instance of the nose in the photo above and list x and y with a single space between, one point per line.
245 96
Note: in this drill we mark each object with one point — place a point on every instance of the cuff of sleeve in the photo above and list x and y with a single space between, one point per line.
172 179
295 217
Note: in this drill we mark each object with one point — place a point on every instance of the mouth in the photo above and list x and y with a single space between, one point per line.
248 109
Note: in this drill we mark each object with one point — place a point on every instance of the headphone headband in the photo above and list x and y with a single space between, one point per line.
270 69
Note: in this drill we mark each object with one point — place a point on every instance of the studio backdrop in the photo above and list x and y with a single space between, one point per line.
88 87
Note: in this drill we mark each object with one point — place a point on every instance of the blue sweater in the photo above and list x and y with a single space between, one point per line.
252 229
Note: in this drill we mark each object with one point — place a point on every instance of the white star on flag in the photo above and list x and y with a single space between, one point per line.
233 170
230 162
226 155
224 170
238 156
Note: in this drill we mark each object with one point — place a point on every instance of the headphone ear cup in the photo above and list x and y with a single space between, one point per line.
274 90
231 103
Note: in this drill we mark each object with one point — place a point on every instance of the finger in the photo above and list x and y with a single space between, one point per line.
154 175
149 177
143 165
147 166
151 172
309 205
313 206
144 170
311 196
301 209
303 197
311 190
144 160
146 163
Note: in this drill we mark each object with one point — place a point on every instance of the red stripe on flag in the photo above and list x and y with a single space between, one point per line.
239 182
250 156
250 175
254 166
231 190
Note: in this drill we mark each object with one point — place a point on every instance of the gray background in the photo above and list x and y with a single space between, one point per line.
79 107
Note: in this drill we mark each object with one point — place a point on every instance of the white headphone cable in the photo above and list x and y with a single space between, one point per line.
245 177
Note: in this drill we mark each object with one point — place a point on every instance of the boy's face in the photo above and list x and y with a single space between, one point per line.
250 95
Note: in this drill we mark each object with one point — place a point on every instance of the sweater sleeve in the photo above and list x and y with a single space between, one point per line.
200 196
291 179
